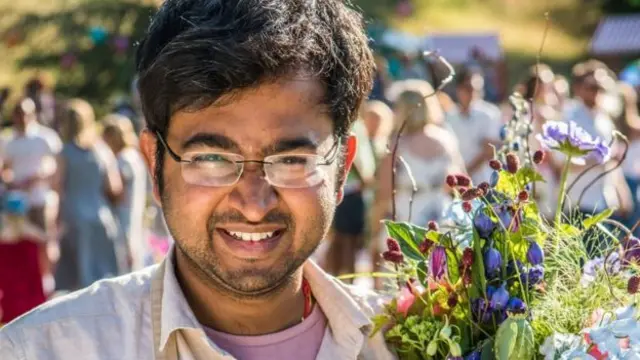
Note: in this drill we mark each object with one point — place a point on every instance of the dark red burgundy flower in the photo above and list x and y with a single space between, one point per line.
451 180
538 157
392 244
463 180
495 164
513 163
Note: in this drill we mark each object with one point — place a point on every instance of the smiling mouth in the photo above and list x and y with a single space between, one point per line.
253 236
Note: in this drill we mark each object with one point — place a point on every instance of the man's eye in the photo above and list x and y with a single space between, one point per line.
210 158
293 160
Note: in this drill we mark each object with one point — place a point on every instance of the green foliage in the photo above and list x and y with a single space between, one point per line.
598 218
409 236
100 72
514 339
414 335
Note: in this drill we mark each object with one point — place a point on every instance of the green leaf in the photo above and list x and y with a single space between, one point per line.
477 269
423 272
409 236
379 322
569 230
527 175
453 254
508 184
598 218
487 351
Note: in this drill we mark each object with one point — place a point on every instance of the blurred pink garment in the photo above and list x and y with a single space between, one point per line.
300 342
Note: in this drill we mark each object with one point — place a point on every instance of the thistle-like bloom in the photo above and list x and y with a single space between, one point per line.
536 274
483 224
516 305
492 262
574 141
438 262
534 254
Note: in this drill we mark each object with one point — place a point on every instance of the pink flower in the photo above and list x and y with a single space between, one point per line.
405 300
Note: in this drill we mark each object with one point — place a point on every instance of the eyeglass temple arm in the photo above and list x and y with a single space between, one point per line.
331 155
175 156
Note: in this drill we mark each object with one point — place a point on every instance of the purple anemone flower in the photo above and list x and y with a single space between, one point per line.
631 251
574 141
438 262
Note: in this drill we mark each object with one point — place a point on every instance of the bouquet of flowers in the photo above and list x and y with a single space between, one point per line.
495 280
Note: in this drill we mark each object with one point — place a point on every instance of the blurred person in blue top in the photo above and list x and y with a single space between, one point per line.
89 183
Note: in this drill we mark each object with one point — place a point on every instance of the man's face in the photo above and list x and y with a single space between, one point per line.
281 118
589 91
464 93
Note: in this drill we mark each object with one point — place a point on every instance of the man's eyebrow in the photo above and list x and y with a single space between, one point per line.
295 143
210 140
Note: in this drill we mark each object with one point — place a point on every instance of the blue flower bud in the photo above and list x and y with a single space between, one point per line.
495 176
515 146
512 266
492 262
504 216
503 132
516 305
534 254
483 224
473 356
499 298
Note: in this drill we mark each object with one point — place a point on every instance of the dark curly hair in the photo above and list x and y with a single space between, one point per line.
197 51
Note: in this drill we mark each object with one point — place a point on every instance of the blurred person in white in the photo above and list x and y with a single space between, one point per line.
476 124
89 184
590 80
30 163
629 125
119 135
537 87
430 150
378 119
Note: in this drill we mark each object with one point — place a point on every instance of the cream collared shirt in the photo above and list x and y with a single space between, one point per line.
144 315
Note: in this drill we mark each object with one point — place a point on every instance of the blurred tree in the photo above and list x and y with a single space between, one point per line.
89 45
621 6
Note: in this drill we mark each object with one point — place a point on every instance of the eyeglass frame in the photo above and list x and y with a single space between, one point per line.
329 158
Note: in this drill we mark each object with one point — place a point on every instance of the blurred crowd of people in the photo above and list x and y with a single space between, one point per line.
453 131
76 203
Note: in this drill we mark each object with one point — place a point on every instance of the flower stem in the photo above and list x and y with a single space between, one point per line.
561 194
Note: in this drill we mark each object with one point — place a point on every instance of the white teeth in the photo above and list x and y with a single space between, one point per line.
250 236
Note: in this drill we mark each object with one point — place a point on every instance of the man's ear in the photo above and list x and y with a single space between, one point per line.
351 146
148 148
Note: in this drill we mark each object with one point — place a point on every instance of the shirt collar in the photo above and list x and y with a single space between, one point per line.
349 323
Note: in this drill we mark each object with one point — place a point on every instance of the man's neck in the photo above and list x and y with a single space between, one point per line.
218 309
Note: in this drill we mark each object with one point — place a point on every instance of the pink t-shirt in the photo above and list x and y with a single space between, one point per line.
300 342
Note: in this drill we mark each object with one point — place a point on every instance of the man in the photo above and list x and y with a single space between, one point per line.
476 124
30 163
590 81
248 104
